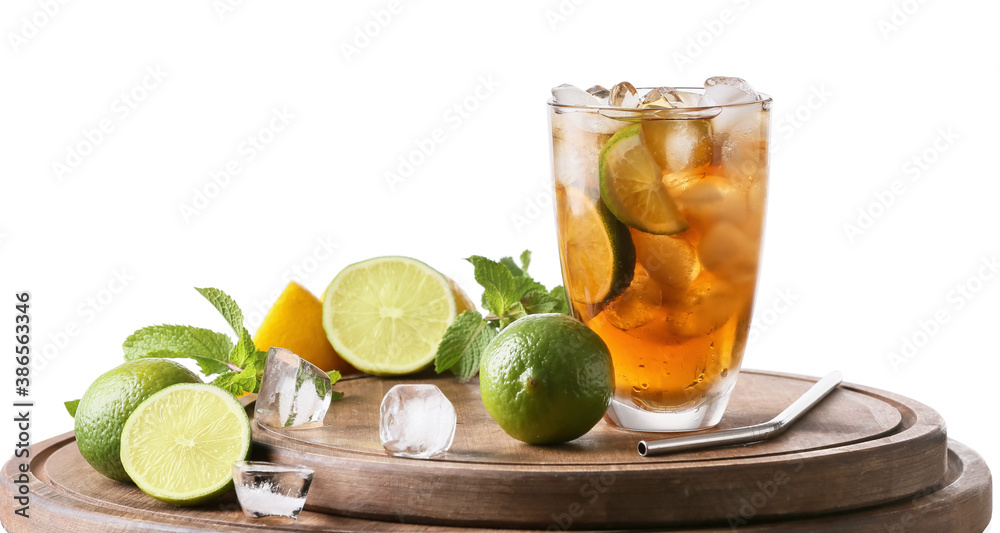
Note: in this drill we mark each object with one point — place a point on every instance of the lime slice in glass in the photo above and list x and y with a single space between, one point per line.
180 444
600 257
386 316
632 185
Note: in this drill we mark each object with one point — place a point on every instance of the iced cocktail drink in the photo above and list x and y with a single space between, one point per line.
660 197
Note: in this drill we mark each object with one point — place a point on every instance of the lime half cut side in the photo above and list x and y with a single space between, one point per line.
386 316
180 444
632 185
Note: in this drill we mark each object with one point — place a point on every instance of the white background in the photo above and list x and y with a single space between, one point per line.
860 88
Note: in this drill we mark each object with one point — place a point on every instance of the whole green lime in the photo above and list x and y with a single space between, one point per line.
110 400
546 378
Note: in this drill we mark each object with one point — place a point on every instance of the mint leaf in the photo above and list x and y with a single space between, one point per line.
526 284
208 348
244 351
500 290
512 266
558 293
540 301
238 382
239 366
71 407
463 344
226 306
334 378
525 261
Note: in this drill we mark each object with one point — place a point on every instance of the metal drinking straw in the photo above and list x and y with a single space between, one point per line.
743 435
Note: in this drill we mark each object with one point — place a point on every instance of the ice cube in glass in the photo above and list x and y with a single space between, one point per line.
271 491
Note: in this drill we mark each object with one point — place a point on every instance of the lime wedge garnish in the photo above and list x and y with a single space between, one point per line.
632 185
599 258
386 315
180 444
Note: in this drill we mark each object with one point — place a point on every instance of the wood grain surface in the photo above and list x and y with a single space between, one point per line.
93 503
860 447
864 460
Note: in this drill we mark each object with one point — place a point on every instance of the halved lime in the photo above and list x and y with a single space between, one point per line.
109 401
632 185
599 256
180 444
386 316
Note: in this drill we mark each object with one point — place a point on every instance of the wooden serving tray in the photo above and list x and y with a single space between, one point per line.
864 460
858 448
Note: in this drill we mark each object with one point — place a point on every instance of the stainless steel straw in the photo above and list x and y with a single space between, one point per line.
743 435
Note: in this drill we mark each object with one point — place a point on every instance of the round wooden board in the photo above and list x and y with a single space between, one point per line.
859 448
67 496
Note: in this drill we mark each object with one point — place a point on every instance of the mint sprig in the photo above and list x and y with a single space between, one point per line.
210 349
239 365
463 343
509 293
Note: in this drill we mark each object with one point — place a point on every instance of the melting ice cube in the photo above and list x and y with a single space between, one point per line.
293 392
739 131
416 421
637 305
679 145
624 95
582 119
600 92
567 94
726 90
669 97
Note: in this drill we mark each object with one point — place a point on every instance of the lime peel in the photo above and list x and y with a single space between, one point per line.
632 185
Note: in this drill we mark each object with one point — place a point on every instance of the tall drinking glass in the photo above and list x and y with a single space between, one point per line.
660 212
